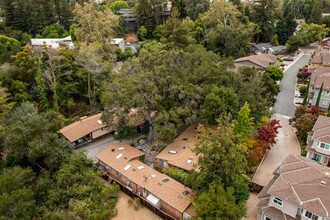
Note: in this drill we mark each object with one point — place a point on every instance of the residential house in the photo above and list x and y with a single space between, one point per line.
276 50
180 152
89 128
85 130
260 61
321 57
121 163
53 42
318 141
300 189
129 16
319 76
260 48
267 48
118 42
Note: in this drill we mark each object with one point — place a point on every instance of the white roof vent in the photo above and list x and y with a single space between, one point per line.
99 121
172 152
140 167
323 183
153 175
119 156
121 148
127 167
189 161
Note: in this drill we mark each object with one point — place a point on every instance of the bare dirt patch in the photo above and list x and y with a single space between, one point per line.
126 211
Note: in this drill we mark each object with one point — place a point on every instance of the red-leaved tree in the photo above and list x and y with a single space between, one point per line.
268 133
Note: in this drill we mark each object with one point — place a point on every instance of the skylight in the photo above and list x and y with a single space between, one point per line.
140 167
99 121
119 156
121 148
127 167
172 152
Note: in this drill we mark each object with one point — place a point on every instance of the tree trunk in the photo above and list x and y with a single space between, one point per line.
55 98
89 87
151 130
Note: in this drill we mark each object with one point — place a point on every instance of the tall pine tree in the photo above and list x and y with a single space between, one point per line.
316 14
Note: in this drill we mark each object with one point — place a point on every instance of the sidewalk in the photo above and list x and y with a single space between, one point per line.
287 143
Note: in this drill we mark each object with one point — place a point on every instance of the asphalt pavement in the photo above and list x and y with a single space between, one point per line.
284 104
93 148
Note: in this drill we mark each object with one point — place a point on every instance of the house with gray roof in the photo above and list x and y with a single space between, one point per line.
300 189
318 141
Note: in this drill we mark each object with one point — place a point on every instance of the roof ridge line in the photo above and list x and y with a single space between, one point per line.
304 168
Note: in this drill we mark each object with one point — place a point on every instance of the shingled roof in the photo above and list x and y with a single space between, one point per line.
262 60
180 152
301 182
82 127
120 157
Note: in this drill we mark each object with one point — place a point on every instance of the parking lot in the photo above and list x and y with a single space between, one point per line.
93 148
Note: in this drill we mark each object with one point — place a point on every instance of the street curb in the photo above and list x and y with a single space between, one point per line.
295 136
301 54
262 160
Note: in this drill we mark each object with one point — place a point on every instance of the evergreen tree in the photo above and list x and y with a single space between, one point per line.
63 12
291 25
304 103
265 14
274 40
319 96
149 14
243 125
316 14
281 31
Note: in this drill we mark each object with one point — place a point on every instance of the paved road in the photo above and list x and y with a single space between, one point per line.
284 104
287 142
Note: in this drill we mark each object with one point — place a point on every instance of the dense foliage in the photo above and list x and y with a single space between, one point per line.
42 178
182 73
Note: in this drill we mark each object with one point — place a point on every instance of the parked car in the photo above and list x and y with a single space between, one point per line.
288 58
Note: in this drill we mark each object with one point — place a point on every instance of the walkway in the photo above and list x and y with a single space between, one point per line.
287 143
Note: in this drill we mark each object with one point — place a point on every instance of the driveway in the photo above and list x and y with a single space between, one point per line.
286 144
93 148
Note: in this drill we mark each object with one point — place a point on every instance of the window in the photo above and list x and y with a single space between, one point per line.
267 218
325 103
118 174
327 93
317 157
278 201
311 215
325 146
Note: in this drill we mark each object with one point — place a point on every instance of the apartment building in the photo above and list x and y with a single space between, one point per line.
121 162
